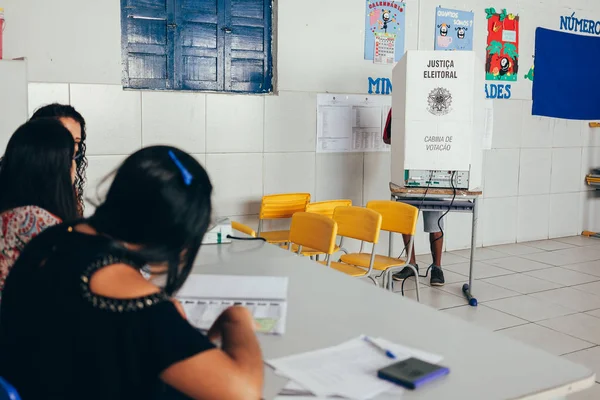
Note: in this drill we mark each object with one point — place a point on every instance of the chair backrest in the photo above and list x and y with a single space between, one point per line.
327 208
243 228
358 223
277 206
7 391
397 217
314 231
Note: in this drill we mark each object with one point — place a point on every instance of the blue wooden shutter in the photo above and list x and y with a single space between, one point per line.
199 49
147 43
248 66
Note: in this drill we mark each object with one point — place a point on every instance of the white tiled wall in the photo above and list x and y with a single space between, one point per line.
113 117
253 145
162 111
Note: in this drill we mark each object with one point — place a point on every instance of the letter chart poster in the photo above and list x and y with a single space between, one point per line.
385 30
502 51
453 29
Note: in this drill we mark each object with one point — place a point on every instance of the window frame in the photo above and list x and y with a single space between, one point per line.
172 79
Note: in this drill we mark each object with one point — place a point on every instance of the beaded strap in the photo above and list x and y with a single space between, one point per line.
110 304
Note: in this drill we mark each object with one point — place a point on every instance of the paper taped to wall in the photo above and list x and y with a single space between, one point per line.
351 123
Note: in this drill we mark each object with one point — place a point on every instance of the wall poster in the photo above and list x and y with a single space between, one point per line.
502 51
453 30
384 27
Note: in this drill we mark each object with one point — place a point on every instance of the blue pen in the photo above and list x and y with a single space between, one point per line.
385 351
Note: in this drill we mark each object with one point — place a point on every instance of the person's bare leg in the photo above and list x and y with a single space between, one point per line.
406 239
437 245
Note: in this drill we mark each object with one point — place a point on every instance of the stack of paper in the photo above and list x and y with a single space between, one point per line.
348 370
205 297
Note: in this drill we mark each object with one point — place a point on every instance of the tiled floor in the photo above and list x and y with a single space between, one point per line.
545 293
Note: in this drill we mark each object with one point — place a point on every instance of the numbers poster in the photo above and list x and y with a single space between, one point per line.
453 29
384 27
502 51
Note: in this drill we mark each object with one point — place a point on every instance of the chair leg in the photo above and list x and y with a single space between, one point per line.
416 281
373 280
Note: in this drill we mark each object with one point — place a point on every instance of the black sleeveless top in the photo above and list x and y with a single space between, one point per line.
58 340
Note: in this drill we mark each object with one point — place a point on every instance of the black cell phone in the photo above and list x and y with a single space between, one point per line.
412 373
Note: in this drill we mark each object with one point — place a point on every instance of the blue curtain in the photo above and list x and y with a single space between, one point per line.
566 83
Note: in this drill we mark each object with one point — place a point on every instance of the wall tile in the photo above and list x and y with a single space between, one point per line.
535 168
459 227
566 170
234 124
501 173
99 169
567 133
590 137
201 158
290 122
237 181
507 132
377 177
537 131
290 172
564 215
113 118
499 221
41 94
340 176
533 215
175 119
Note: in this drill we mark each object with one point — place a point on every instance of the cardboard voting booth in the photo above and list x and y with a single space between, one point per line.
433 118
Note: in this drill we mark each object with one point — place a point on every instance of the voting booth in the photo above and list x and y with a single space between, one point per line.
433 119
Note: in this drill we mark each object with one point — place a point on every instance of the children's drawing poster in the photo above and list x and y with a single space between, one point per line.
384 25
453 29
502 51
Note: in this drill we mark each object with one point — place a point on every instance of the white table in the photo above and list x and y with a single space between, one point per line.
326 308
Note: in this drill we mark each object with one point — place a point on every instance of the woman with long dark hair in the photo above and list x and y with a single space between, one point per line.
79 320
36 186
74 122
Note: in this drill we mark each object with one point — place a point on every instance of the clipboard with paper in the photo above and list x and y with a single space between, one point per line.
205 297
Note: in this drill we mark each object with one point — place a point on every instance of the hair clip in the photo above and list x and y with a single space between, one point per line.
187 177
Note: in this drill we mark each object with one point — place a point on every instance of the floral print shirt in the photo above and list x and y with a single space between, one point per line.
17 227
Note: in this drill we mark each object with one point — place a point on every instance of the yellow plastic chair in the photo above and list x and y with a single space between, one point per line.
280 206
360 224
314 231
397 218
243 228
326 209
